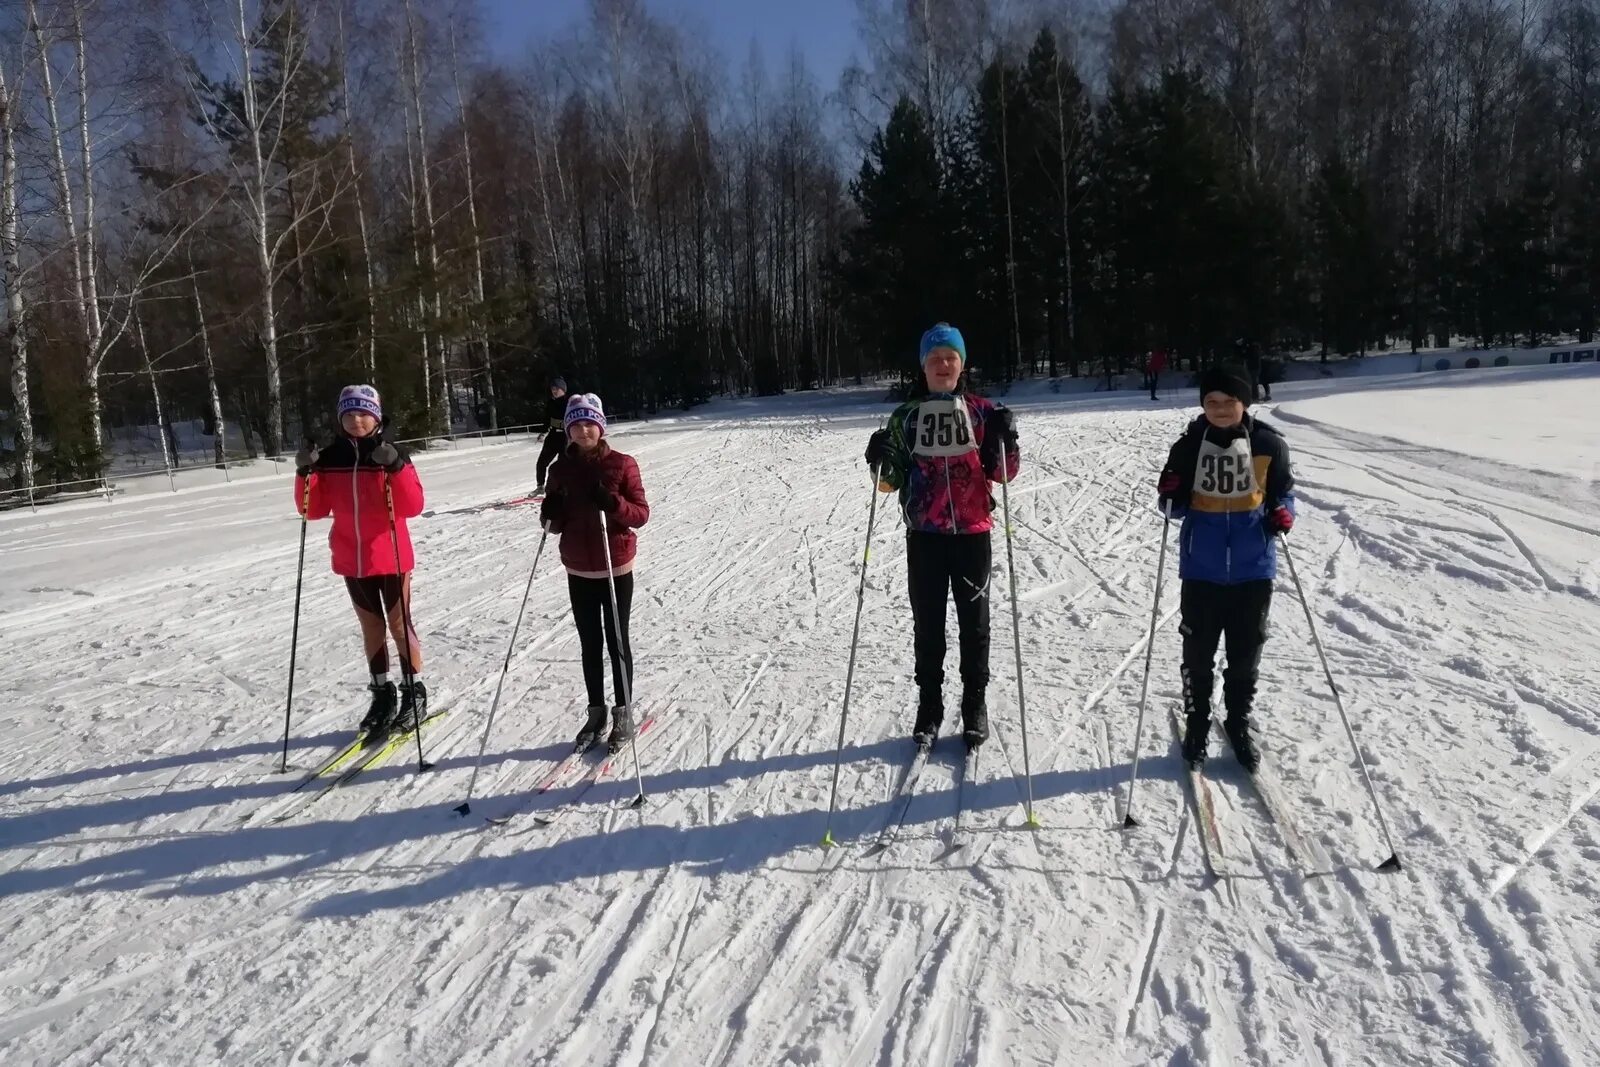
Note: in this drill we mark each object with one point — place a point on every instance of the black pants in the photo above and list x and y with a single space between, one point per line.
1211 612
555 442
591 610
938 564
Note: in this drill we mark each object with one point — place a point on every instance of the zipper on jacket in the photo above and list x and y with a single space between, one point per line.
950 495
355 509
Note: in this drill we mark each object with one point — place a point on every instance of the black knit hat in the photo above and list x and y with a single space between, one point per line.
1227 378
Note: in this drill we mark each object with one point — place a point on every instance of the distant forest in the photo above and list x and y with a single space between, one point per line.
227 209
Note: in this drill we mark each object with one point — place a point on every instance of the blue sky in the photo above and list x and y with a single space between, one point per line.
824 29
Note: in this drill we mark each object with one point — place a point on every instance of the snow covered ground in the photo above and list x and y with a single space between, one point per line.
1450 542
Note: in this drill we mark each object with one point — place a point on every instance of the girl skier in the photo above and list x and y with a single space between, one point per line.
353 480
941 450
1228 479
594 499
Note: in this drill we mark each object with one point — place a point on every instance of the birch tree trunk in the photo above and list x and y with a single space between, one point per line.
211 370
416 262
263 251
15 334
355 187
155 391
1066 223
81 265
479 329
426 183
1011 231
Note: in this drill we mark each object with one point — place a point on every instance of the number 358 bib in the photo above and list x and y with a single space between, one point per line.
943 427
1225 478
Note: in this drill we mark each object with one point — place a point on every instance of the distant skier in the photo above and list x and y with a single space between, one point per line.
1228 479
1156 363
347 480
940 451
555 435
593 478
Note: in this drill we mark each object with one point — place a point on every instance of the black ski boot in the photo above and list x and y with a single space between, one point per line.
413 705
1237 727
592 729
621 727
380 716
930 714
1239 696
974 718
1197 719
1196 734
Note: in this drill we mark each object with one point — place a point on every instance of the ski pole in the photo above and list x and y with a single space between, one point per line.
1016 629
1393 862
625 658
466 805
1128 821
850 671
294 636
405 618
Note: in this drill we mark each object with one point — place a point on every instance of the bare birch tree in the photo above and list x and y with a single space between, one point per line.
15 331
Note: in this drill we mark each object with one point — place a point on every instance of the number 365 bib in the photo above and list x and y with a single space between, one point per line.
1225 478
942 427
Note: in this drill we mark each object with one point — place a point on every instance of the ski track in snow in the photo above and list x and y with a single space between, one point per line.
147 922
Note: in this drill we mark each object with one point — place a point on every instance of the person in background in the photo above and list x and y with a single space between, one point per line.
1157 363
555 435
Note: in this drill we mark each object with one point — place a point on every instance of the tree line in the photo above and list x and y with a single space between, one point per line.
226 209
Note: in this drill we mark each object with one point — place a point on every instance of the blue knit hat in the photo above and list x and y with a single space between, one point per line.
585 407
360 398
558 382
943 335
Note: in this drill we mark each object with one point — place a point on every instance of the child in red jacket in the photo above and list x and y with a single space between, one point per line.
351 480
594 481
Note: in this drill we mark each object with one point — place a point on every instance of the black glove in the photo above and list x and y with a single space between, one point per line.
1000 426
551 509
603 498
388 457
878 448
306 458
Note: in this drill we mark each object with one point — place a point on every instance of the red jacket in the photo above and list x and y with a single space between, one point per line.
576 518
343 484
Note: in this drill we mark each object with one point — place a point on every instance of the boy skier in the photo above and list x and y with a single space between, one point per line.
1228 479
940 451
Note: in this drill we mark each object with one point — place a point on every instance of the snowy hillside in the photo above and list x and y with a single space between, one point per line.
1450 542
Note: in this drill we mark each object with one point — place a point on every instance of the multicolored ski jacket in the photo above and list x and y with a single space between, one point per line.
1230 480
933 462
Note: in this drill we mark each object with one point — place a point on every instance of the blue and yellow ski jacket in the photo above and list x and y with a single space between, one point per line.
1228 481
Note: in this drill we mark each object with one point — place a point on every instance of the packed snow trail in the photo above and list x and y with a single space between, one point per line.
1456 581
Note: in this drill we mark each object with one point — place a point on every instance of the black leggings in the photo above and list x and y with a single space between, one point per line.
591 610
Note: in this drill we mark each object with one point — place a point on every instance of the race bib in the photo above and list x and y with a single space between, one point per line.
1225 478
942 427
